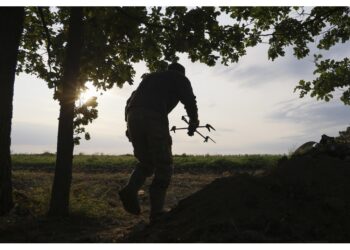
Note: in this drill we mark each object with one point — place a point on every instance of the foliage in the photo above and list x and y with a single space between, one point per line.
106 57
118 37
331 75
301 28
344 136
85 114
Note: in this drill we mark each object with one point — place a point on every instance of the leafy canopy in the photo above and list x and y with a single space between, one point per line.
300 28
115 38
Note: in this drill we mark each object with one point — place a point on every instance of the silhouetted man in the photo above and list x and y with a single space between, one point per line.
146 114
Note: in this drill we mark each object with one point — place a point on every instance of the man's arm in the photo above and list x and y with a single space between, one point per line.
188 99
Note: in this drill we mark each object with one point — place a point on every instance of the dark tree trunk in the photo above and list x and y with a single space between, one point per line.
59 205
11 28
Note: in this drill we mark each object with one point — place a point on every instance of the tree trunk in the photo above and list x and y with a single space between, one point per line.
11 28
59 205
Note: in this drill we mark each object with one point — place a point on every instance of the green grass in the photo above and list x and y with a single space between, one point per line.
183 163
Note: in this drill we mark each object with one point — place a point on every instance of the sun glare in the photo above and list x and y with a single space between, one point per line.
88 93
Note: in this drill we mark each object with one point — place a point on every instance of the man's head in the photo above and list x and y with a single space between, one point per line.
177 67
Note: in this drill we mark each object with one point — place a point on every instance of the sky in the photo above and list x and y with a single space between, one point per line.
251 104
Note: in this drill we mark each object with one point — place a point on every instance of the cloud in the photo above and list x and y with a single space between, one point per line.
226 130
312 119
262 72
105 144
255 70
212 105
33 133
37 138
312 113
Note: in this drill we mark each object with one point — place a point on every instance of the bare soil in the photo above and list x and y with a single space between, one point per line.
304 199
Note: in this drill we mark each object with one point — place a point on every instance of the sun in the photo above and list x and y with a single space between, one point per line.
88 93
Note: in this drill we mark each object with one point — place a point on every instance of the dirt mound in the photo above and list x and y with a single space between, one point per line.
305 199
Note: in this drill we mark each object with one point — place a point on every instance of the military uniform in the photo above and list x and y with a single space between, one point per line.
146 114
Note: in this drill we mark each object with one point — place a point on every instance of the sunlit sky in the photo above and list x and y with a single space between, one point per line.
251 104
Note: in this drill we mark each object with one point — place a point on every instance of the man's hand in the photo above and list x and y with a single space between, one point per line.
193 125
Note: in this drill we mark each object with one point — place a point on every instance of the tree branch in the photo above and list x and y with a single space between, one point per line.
47 34
135 18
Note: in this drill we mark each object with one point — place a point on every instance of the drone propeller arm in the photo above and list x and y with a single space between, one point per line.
208 126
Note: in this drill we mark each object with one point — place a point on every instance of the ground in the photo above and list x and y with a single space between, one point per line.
96 212
302 198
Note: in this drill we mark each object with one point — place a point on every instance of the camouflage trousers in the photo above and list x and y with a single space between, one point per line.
151 140
149 134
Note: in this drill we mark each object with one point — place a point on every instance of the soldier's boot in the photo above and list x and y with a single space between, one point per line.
157 192
129 194
157 200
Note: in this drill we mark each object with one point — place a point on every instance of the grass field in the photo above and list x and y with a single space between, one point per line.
96 212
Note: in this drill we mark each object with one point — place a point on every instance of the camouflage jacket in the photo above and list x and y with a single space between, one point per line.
162 91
